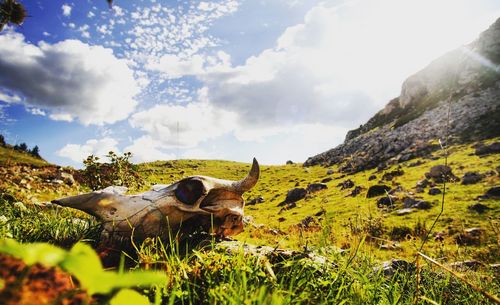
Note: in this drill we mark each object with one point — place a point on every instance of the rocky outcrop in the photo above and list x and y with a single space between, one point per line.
454 97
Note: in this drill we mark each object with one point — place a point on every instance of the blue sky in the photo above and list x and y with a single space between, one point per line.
228 79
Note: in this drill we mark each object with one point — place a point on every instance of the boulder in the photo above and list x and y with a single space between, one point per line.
388 176
356 191
406 211
315 187
287 207
493 193
386 201
346 184
423 183
258 199
493 148
434 191
294 195
478 208
289 162
440 173
372 177
330 172
377 190
472 178
389 268
66 178
327 179
467 265
422 205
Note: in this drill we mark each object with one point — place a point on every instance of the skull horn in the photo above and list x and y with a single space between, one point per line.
249 181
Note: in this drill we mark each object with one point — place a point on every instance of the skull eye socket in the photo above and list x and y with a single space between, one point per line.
189 191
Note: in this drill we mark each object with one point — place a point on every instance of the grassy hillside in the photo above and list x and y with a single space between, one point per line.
9 156
340 244
344 215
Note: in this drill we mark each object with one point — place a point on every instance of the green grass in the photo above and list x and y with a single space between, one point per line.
212 275
9 156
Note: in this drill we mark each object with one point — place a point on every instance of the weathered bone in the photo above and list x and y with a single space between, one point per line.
215 205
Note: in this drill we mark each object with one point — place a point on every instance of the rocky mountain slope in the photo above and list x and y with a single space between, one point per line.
457 96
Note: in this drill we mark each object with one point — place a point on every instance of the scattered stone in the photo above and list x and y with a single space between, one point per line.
479 208
441 173
377 190
439 236
471 178
346 184
434 191
390 175
289 162
330 172
281 219
493 148
467 265
418 189
386 201
57 181
389 268
258 199
408 202
406 211
66 178
294 195
397 189
390 246
356 191
493 193
416 163
287 207
469 237
490 173
320 213
327 179
423 183
315 187
422 205
372 177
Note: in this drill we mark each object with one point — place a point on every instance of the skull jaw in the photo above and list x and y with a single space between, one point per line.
178 225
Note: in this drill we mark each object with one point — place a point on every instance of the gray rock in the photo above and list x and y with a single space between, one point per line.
327 179
346 184
493 148
294 195
406 211
493 193
434 191
315 187
467 265
258 199
422 205
472 178
377 190
389 268
66 178
479 208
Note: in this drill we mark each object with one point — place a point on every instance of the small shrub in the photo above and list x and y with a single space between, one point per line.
120 171
400 233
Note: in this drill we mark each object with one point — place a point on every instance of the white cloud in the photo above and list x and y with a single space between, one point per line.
37 111
66 9
69 79
184 126
97 147
145 149
175 67
342 63
9 97
90 14
118 11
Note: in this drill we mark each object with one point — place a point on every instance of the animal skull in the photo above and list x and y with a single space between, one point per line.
213 204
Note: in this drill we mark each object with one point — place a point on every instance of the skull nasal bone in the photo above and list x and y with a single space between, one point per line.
189 191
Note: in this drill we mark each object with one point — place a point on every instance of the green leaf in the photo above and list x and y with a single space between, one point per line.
111 280
45 254
127 297
85 265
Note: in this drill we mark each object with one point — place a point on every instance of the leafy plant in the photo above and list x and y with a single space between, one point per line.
120 171
84 264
